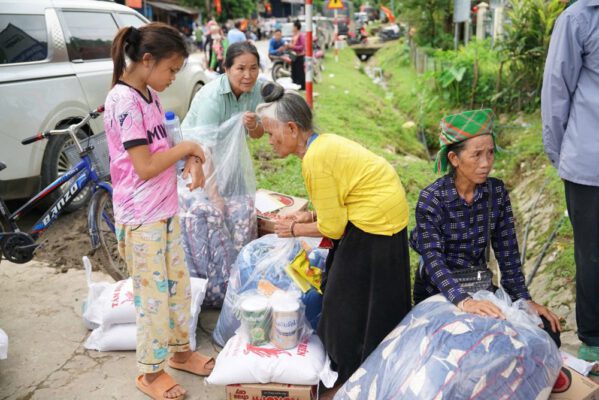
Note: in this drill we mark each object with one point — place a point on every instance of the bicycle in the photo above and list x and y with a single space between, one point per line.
91 168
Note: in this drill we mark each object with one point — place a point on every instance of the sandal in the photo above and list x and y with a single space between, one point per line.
158 387
195 364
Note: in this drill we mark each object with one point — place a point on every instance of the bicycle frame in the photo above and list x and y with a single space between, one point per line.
85 175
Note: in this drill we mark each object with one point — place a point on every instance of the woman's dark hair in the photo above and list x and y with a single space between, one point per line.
297 24
158 39
457 148
290 106
238 49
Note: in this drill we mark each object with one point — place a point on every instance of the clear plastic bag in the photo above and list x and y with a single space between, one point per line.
438 351
261 267
518 312
218 220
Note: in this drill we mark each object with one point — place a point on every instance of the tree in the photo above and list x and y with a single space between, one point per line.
231 9
430 18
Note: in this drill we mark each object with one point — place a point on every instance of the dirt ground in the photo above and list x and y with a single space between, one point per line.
40 311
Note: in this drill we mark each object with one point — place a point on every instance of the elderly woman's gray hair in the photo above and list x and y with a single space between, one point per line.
285 106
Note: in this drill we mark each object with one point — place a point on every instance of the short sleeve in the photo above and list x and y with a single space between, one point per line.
129 117
205 110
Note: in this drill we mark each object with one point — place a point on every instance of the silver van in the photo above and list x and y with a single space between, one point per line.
55 67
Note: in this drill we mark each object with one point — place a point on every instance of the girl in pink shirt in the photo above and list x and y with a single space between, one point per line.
143 175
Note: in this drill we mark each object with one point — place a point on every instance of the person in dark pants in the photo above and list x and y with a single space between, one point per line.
569 104
463 212
360 203
298 46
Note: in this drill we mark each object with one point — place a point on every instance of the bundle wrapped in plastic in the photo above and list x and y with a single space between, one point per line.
218 220
264 266
440 352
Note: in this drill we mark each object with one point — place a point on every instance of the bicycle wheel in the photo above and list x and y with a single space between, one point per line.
112 263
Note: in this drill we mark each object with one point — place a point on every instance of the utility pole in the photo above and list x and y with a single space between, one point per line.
309 65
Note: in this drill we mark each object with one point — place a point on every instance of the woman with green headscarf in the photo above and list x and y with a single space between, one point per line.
461 215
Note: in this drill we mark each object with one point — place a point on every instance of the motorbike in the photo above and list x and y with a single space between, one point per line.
281 67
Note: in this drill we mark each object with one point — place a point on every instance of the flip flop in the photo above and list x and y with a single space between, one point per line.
158 387
195 364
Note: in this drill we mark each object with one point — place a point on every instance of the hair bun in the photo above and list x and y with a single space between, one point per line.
272 92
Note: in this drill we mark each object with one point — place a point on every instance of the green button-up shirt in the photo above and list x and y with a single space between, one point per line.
215 103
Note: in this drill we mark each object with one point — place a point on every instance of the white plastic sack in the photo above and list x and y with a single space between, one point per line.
239 362
115 338
3 345
111 304
94 292
124 336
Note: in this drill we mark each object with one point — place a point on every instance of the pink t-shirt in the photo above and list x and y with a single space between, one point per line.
132 120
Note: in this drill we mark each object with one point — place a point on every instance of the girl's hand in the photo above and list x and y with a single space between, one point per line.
250 121
548 314
195 150
481 307
193 168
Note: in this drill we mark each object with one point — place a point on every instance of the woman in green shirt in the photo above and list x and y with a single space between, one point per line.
360 203
238 90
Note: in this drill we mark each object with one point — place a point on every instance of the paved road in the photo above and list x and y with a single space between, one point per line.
40 310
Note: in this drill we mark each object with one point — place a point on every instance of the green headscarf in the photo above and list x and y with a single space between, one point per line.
460 127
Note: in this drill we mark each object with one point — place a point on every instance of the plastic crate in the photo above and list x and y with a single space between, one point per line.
99 154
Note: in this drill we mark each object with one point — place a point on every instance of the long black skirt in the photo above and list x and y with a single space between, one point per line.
366 294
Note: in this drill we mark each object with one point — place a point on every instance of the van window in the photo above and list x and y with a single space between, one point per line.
131 20
23 38
90 34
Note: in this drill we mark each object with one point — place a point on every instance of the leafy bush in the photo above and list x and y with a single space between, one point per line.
467 76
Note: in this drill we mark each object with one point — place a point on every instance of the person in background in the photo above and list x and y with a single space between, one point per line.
298 46
276 44
462 213
217 50
360 204
569 109
235 35
145 203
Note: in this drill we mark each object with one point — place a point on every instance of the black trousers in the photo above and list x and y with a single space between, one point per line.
366 294
298 75
583 209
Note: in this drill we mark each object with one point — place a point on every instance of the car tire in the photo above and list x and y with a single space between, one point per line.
54 164
196 89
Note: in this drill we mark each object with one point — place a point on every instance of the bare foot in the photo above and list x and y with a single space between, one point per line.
173 393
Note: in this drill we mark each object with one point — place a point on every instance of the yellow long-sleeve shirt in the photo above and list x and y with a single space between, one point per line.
347 182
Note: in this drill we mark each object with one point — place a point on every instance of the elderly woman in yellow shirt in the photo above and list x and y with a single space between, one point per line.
361 205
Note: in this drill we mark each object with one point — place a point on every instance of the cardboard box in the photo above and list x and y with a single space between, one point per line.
574 387
291 204
270 391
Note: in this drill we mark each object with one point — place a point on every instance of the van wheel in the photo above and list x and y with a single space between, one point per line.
54 164
195 90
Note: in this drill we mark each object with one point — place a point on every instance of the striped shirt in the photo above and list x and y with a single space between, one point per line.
452 235
348 183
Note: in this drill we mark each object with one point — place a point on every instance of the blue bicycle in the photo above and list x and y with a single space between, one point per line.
91 167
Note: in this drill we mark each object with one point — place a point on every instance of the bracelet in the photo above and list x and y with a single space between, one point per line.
291 228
